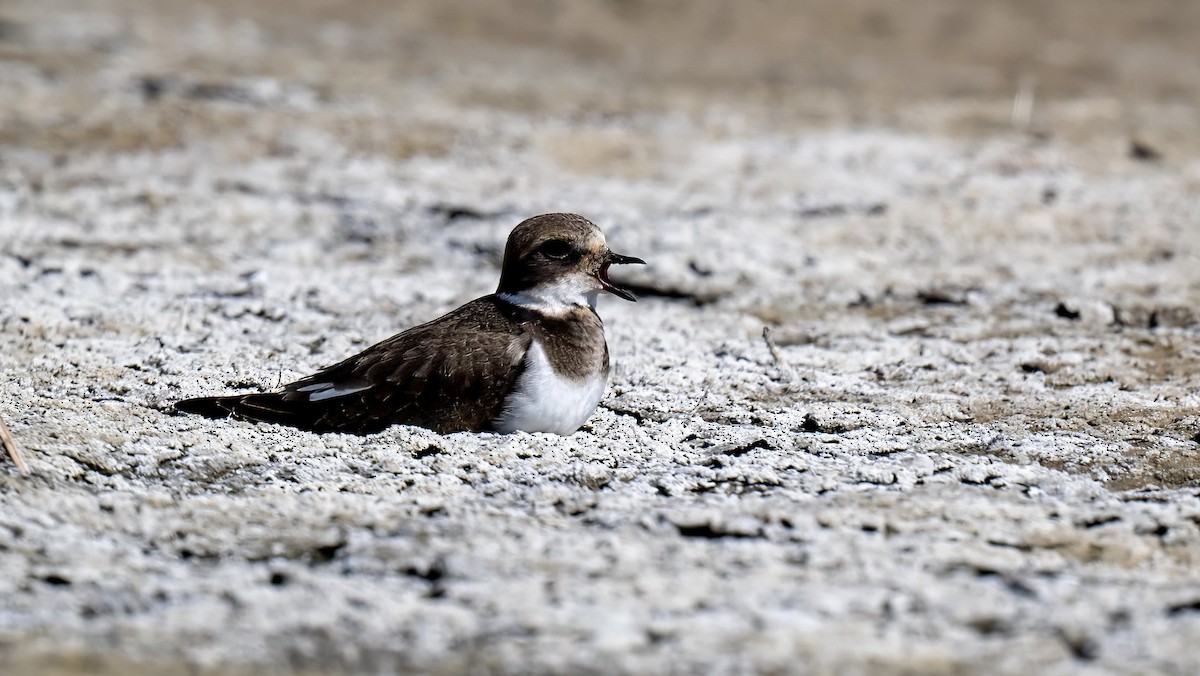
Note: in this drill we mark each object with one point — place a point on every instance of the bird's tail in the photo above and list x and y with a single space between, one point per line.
273 407
209 407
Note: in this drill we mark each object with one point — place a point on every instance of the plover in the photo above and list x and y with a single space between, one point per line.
530 357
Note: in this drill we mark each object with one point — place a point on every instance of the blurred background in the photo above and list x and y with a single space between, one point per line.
389 77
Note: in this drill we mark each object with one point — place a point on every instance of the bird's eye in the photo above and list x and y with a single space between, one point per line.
556 249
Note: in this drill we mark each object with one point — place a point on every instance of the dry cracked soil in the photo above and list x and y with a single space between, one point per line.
966 443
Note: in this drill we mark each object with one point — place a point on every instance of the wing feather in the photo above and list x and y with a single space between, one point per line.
451 374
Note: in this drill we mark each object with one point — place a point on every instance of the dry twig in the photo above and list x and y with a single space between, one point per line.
771 346
6 441
1022 109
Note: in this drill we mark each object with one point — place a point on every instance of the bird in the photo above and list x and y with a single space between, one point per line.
530 357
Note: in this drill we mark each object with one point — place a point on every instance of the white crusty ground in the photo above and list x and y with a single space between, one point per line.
943 472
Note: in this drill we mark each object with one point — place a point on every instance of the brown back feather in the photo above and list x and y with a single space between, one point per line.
451 374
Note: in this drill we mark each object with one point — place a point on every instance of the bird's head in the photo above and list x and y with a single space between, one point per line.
555 261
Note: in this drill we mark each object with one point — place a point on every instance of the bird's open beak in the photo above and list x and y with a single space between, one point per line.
611 258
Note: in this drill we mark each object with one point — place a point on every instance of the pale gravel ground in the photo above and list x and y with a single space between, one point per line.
977 455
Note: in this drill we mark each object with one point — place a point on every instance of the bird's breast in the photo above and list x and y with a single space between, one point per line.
545 400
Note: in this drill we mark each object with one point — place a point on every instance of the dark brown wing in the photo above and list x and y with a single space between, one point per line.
451 374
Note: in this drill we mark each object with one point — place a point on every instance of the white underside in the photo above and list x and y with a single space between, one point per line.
544 401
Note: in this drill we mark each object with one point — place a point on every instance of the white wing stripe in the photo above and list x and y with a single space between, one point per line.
321 391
